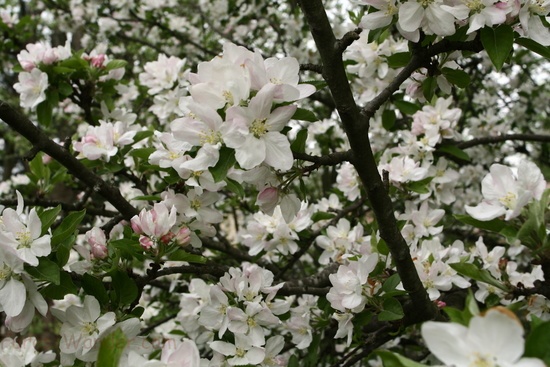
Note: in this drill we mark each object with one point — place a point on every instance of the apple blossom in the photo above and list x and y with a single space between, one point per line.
32 87
506 193
493 339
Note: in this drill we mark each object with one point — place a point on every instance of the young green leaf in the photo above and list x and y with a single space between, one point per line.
498 42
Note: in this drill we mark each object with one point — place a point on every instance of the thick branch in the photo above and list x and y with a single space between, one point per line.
356 127
40 141
332 159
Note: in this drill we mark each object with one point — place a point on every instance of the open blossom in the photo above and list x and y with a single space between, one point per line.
404 169
505 193
41 52
427 15
381 18
346 292
101 142
254 132
24 239
83 327
161 74
494 339
23 353
531 23
32 87
484 13
154 224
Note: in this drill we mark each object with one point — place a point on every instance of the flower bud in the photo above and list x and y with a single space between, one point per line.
267 199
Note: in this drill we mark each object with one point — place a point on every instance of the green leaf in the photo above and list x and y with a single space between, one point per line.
94 287
48 217
182 255
498 42
125 287
140 135
457 77
475 273
304 115
313 351
63 250
226 161
142 153
428 87
388 119
390 359
463 317
421 186
406 108
44 113
45 270
293 361
494 225
392 310
454 151
537 342
536 47
317 216
67 227
65 89
235 187
66 286
147 198
111 348
62 70
299 144
391 283
398 60
115 64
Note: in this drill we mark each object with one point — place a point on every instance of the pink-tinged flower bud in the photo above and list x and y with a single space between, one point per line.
135 223
90 139
146 242
97 61
267 199
27 65
49 57
440 304
98 243
183 237
46 159
167 238
99 251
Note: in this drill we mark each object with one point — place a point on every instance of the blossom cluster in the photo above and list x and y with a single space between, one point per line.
441 17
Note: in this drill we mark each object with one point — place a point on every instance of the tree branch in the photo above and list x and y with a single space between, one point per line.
355 125
332 159
40 141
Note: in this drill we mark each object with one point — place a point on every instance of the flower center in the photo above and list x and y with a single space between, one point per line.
210 137
24 239
5 272
509 200
196 204
426 3
89 328
258 128
475 5
482 361
228 96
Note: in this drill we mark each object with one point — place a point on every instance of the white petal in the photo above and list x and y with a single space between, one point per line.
446 342
278 153
12 297
485 211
